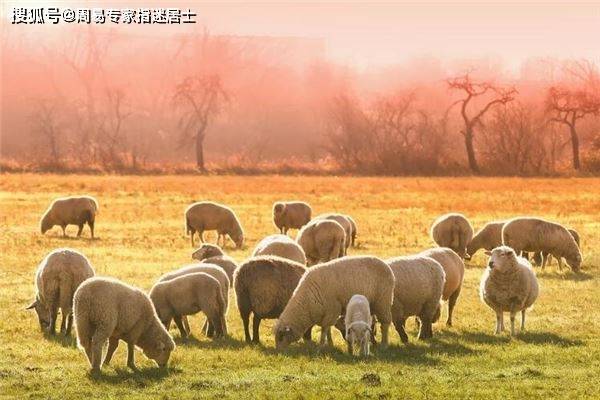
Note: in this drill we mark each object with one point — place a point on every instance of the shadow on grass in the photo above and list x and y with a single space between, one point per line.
526 337
220 343
139 378
567 276
58 338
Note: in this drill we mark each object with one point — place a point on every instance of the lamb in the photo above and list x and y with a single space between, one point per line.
75 210
212 254
344 222
211 269
187 295
282 246
108 309
58 276
290 215
538 235
325 290
354 230
322 240
263 287
418 291
358 323
539 256
209 216
454 268
488 238
453 231
508 284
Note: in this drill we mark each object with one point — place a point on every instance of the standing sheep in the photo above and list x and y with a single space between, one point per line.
212 254
56 279
282 246
508 284
538 235
322 240
290 215
209 216
187 295
345 223
325 290
539 256
76 210
107 309
358 323
354 230
454 268
488 238
418 291
263 287
453 231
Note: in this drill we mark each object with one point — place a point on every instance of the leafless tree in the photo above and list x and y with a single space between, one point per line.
473 90
111 138
201 98
46 126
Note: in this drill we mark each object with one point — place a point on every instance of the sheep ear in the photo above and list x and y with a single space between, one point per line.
488 253
32 305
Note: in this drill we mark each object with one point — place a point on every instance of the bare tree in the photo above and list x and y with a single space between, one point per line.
111 138
567 104
202 98
46 126
473 90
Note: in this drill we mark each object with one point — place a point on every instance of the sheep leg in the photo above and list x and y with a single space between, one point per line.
499 322
245 315
399 324
560 264
53 317
385 328
131 356
192 237
186 324
179 324
512 322
425 329
91 222
113 343
329 339
69 324
98 339
544 260
63 323
523 320
350 347
255 330
308 335
201 234
79 230
451 304
64 227
210 328
323 340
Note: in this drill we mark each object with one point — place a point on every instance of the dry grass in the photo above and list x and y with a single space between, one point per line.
140 236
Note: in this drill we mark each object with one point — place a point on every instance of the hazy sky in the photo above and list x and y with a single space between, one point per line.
369 34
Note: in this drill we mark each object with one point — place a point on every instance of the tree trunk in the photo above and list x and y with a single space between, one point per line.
200 151
471 151
575 147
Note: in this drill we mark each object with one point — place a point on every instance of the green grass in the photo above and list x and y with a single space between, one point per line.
140 236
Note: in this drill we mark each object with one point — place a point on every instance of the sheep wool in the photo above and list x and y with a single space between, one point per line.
489 237
75 210
209 216
322 241
453 231
282 246
290 215
358 322
344 221
213 254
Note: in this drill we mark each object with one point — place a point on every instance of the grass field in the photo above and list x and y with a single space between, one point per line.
140 235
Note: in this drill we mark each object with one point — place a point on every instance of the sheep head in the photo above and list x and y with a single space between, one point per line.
502 259
43 314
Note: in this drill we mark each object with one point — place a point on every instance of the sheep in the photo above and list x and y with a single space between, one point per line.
489 237
208 216
358 323
322 240
539 256
263 287
282 246
453 231
291 215
344 221
58 276
213 270
324 292
212 254
508 284
187 295
454 268
75 210
538 235
354 230
108 309
418 291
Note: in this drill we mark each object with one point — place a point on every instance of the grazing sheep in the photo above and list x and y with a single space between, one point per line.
76 210
354 230
263 287
418 291
454 268
508 284
290 215
212 254
58 276
211 269
322 240
187 295
453 231
344 221
539 256
107 309
538 235
358 323
325 290
282 246
489 237
209 216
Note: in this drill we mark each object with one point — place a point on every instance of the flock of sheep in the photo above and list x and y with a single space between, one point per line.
301 283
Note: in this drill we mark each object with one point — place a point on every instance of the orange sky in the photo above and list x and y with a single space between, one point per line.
374 34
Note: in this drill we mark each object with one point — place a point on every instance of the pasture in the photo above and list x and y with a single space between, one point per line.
140 235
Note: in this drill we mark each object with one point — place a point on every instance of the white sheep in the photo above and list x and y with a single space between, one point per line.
358 323
282 246
212 254
508 284
58 276
209 216
345 223
454 231
290 215
322 240
75 210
